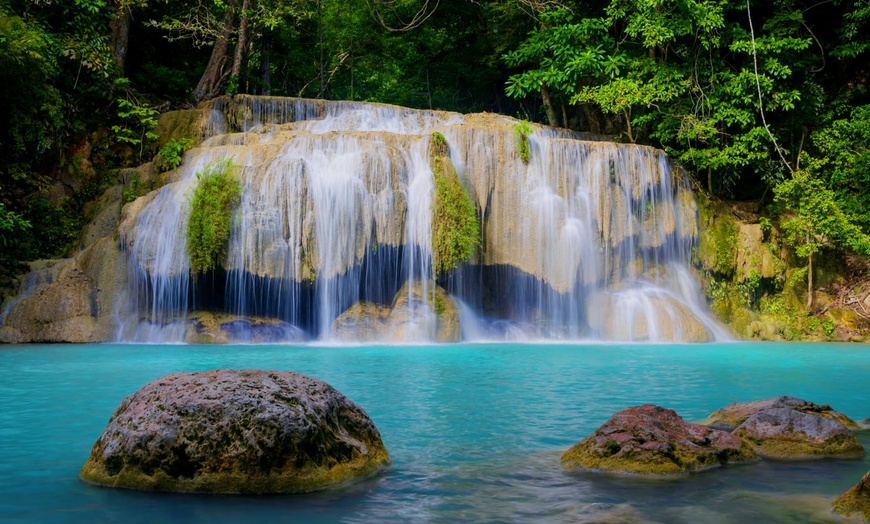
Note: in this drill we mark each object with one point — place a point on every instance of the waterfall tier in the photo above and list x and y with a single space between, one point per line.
586 239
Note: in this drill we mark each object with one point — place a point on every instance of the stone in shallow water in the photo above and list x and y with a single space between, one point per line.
786 433
732 415
856 501
228 431
651 440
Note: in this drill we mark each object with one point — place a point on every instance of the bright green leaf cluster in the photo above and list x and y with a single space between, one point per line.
455 231
217 194
173 150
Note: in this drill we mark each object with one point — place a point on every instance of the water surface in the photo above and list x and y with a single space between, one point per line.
475 431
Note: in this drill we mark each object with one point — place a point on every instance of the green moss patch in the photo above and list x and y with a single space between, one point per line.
455 230
216 196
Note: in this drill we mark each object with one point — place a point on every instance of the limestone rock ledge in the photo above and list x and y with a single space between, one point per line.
227 431
655 441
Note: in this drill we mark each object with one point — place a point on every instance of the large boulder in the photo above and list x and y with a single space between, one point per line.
733 415
651 440
420 311
229 431
856 501
786 433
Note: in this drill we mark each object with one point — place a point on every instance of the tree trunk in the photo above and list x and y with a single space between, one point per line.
552 117
591 119
242 42
120 27
266 68
810 282
710 180
214 75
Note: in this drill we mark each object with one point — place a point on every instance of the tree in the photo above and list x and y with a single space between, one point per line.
815 219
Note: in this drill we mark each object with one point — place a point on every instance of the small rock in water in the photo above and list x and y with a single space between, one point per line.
651 440
790 428
228 431
732 415
786 433
856 501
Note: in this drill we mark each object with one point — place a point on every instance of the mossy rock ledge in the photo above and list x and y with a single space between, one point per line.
228 431
654 441
856 501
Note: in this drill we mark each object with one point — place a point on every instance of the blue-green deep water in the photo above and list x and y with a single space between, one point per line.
475 431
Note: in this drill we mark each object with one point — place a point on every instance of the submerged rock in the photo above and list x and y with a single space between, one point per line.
732 415
228 431
651 440
856 501
786 433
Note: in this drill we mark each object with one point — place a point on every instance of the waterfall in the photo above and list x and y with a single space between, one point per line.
588 239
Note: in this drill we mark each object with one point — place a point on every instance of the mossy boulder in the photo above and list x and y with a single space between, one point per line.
424 311
655 441
789 434
228 431
856 501
420 311
735 414
362 322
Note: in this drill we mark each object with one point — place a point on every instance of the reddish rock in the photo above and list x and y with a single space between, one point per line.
229 431
651 440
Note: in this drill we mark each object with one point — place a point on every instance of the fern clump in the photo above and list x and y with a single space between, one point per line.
455 231
217 194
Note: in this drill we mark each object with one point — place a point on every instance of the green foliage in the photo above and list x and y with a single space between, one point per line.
522 131
138 120
13 227
173 151
217 194
133 193
439 139
455 231
817 218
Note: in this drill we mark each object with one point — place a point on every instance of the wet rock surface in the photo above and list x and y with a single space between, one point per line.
786 433
856 501
228 431
651 440
732 415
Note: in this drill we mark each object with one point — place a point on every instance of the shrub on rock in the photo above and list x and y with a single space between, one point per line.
228 431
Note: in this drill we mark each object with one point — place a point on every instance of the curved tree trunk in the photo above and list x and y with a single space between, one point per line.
214 75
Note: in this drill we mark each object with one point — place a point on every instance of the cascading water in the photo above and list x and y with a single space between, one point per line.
587 239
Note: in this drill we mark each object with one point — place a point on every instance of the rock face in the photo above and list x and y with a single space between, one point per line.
68 300
651 440
786 433
856 501
418 313
789 428
733 415
228 431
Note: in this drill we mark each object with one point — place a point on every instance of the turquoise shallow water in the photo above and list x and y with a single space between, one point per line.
475 431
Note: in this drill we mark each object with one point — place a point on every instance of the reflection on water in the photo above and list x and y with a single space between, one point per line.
475 431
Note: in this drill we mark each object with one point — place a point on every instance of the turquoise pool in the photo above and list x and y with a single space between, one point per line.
475 431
